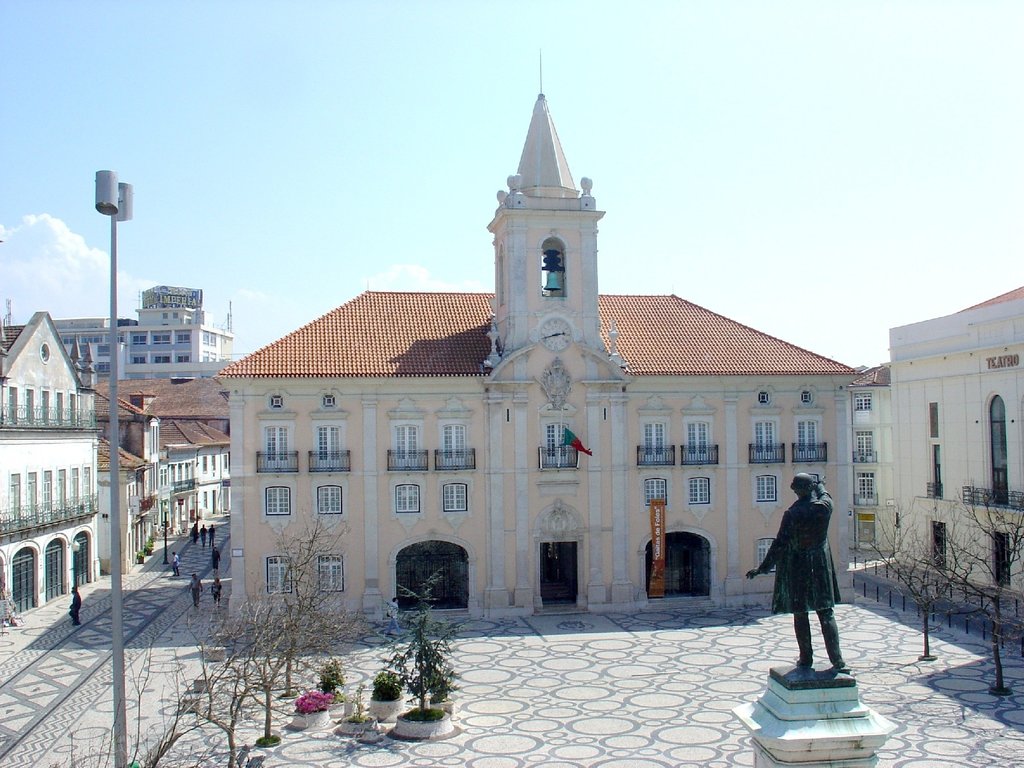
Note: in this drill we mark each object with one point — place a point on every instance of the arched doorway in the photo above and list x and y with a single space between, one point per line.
997 439
419 562
80 558
687 565
55 570
23 579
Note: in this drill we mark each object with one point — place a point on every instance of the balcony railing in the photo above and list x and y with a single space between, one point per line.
46 418
183 486
655 455
457 458
866 501
993 497
809 453
407 461
865 457
25 517
557 457
330 461
696 455
933 490
767 453
282 461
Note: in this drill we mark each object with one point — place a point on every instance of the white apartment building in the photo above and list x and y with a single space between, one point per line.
435 431
171 338
958 415
874 500
48 497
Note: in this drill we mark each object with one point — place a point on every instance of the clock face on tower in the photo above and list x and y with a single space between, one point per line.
555 334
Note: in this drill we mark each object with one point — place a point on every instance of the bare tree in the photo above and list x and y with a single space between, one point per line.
907 553
984 546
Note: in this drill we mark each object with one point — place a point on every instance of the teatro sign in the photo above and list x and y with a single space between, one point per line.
1002 361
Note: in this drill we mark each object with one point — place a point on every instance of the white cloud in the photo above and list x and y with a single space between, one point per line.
413 277
47 267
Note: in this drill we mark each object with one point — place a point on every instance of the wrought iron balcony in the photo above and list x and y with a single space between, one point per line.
558 457
993 497
457 458
282 461
866 501
933 490
655 455
767 453
330 461
46 418
407 461
810 453
696 455
19 519
183 486
865 457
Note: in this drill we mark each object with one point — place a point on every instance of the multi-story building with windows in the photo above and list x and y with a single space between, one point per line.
48 498
515 442
958 411
171 338
875 509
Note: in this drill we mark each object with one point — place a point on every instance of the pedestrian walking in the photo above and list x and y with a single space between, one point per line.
202 535
215 559
209 532
196 588
176 563
391 611
215 590
76 606
195 532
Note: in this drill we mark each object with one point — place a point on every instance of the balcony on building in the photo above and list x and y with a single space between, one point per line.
47 418
557 457
767 453
457 458
282 461
933 490
866 500
23 518
993 497
407 461
330 461
183 486
698 455
865 457
655 455
810 453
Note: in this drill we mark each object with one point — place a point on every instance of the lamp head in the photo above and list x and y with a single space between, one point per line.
106 192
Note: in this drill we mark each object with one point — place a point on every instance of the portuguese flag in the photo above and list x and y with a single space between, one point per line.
574 442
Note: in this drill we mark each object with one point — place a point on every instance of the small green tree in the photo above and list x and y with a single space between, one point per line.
423 659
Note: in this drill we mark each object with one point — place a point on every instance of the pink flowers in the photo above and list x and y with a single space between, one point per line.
313 701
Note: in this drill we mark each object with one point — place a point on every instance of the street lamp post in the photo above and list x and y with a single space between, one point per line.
115 200
164 511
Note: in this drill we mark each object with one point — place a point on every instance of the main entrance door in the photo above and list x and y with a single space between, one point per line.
23 579
419 562
558 580
687 565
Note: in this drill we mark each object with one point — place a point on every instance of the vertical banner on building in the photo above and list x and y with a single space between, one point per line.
656 588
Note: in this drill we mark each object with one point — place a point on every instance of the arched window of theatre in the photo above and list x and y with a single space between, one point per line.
997 438
552 270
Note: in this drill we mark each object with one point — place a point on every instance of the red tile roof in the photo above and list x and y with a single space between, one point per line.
125 459
174 398
1016 293
380 334
878 376
174 432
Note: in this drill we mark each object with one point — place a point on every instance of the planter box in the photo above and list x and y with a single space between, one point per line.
386 711
421 731
314 721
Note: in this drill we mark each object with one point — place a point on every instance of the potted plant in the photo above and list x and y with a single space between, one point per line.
332 679
149 546
312 710
386 696
140 557
359 723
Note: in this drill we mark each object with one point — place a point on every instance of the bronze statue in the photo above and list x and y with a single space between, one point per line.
805 579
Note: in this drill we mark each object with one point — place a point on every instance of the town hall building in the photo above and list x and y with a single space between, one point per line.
521 443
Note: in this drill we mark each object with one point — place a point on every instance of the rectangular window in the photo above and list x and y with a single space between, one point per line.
14 493
807 432
206 464
865 450
698 434
278 575
764 434
75 484
183 358
938 544
866 488
862 401
332 573
183 337
767 488
161 338
700 490
1001 558
328 442
31 497
655 488
139 339
279 500
328 499
407 498
453 497
47 488
62 486
654 437
160 359
138 359
933 419
87 481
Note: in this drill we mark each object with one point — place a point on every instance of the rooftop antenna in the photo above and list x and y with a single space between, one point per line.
8 317
230 329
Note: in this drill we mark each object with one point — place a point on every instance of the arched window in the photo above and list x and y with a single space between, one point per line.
553 276
997 437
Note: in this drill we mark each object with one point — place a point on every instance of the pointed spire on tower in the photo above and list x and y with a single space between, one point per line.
543 167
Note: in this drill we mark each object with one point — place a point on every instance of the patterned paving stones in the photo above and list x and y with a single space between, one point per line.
653 689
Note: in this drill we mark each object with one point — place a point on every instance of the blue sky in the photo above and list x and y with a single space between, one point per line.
819 171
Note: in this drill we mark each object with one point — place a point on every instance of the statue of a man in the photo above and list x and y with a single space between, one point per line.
805 579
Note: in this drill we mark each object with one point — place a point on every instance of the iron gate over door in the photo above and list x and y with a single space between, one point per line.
54 570
418 562
23 580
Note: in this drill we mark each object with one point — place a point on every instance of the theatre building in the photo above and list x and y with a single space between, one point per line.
515 441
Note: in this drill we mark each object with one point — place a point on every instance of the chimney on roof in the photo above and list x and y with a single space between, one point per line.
140 400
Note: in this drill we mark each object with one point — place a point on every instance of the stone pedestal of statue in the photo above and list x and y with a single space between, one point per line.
810 718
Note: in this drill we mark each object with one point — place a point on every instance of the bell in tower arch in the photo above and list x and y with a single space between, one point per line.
554 272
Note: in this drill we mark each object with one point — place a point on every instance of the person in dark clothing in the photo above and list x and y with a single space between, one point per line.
76 606
195 586
215 559
202 535
215 590
805 578
209 532
195 532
